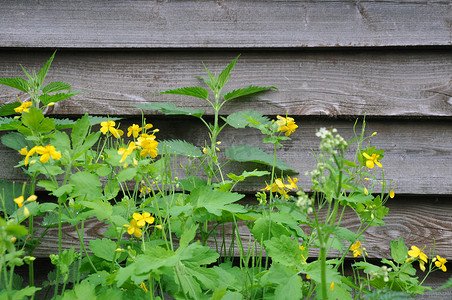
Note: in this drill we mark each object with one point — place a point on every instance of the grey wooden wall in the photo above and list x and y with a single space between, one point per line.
333 61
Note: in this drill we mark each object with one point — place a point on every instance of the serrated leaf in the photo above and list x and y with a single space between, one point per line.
290 289
56 86
261 230
246 153
86 185
80 131
126 174
245 118
34 119
187 237
168 108
102 209
9 124
197 254
194 91
284 250
17 83
225 74
246 91
178 147
46 99
8 109
61 124
103 248
43 72
399 251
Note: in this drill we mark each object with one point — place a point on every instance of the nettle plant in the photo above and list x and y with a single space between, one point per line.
160 226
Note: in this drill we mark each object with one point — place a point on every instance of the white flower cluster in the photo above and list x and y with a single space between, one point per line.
382 272
330 141
304 202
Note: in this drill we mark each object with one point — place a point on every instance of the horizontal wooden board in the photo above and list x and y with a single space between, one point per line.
392 83
224 24
416 157
420 222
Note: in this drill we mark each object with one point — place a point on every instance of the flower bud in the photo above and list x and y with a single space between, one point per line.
51 104
26 212
374 134
32 198
14 239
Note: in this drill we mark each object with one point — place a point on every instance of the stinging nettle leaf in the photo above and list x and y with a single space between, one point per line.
8 109
168 108
17 83
194 91
56 86
43 72
247 91
225 74
46 99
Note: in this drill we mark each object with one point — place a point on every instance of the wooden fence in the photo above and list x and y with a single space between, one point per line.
332 61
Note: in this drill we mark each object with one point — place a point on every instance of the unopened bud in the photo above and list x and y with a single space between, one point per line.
32 198
13 239
26 212
158 227
51 104
119 250
374 134
135 162
32 162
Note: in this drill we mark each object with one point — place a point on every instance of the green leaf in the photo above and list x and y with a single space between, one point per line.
178 147
399 251
43 72
168 108
81 291
8 109
36 121
194 91
46 99
188 236
103 248
64 189
61 124
215 202
190 183
79 131
207 277
249 90
102 209
15 140
284 250
126 174
16 230
24 292
313 269
197 254
61 141
56 86
245 118
86 185
17 83
446 285
265 229
225 74
9 124
291 289
9 191
246 153
247 174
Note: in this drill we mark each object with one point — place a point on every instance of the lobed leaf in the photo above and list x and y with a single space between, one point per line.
251 118
246 153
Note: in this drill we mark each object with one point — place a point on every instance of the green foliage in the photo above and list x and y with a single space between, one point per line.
168 108
246 153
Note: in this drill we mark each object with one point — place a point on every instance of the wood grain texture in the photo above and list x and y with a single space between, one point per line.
224 24
407 83
415 160
421 222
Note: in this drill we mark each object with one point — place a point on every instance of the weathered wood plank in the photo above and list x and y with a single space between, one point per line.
415 159
376 83
421 222
224 24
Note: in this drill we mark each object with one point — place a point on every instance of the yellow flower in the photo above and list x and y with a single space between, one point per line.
204 150
134 129
286 125
19 201
23 107
23 151
332 286
366 192
142 219
292 184
372 160
143 286
133 228
422 266
28 154
441 263
149 147
126 152
117 133
148 126
302 248
47 152
416 252
391 194
355 248
108 126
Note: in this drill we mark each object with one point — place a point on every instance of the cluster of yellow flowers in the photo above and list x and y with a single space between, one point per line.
356 249
281 188
23 107
415 252
45 151
286 125
138 222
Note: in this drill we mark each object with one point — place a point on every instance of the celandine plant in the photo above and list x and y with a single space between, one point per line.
166 233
